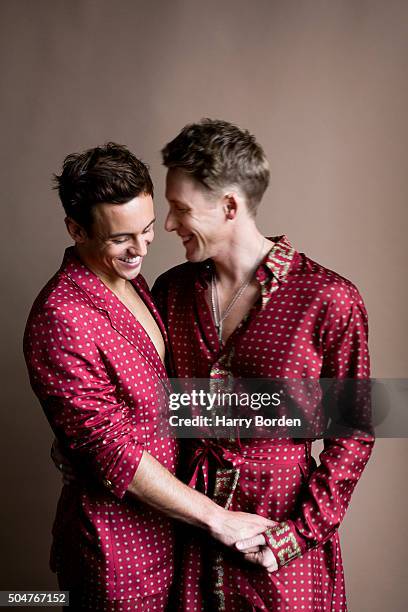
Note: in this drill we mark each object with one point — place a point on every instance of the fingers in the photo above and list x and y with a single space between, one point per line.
264 557
249 535
238 526
265 522
253 549
248 543
272 568
255 557
259 559
261 523
250 526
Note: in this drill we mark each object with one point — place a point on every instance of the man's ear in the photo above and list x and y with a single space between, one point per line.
230 205
76 231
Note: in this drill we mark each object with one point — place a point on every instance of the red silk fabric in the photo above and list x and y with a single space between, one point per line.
308 323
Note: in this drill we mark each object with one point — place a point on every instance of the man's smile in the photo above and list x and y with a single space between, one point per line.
131 261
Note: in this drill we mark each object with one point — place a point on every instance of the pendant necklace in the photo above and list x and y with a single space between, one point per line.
215 305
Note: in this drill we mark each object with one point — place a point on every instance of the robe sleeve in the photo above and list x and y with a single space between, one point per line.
327 494
81 403
159 292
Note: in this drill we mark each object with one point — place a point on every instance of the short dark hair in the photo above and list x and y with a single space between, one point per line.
217 153
106 174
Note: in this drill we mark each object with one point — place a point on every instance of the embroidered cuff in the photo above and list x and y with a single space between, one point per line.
283 541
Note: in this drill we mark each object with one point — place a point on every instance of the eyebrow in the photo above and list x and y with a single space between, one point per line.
149 224
119 234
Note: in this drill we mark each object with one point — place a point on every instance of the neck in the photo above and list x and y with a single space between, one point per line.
116 284
241 255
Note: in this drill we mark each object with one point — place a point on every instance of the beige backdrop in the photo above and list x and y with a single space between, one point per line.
323 84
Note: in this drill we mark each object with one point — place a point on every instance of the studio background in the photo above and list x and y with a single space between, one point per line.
323 86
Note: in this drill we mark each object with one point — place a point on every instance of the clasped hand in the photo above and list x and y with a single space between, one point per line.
240 530
244 532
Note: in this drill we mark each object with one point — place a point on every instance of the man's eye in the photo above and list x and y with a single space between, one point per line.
119 240
148 229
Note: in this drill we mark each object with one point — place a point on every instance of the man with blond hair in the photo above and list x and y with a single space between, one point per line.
249 306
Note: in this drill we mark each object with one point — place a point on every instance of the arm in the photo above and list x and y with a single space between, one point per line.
70 378
154 485
157 487
330 486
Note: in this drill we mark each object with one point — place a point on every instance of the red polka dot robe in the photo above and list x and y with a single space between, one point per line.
101 383
309 323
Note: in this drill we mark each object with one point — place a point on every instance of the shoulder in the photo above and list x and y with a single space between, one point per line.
331 287
177 277
59 301
59 324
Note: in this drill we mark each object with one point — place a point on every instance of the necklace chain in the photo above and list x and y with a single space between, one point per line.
215 305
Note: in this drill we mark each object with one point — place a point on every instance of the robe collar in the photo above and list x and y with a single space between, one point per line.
121 319
272 270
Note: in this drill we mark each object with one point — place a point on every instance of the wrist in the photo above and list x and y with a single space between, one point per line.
214 518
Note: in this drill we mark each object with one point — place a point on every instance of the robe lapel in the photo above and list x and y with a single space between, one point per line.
125 324
119 316
141 287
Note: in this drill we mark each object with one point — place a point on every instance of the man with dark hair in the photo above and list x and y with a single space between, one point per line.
247 306
110 173
95 349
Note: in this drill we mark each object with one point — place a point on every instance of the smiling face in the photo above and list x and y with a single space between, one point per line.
196 216
118 240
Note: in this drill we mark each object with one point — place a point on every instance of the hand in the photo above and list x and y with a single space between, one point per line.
230 527
257 551
62 463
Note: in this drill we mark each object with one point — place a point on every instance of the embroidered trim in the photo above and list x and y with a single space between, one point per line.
226 480
280 257
281 540
278 262
218 588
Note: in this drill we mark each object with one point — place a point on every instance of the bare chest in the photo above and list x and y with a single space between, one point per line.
139 310
239 310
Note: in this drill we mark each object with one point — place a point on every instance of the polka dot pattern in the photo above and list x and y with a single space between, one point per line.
100 381
309 323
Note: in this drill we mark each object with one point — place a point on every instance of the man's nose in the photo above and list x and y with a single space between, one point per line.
142 247
139 248
170 225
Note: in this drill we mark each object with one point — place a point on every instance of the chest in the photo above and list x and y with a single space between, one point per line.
125 352
229 310
277 340
143 316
